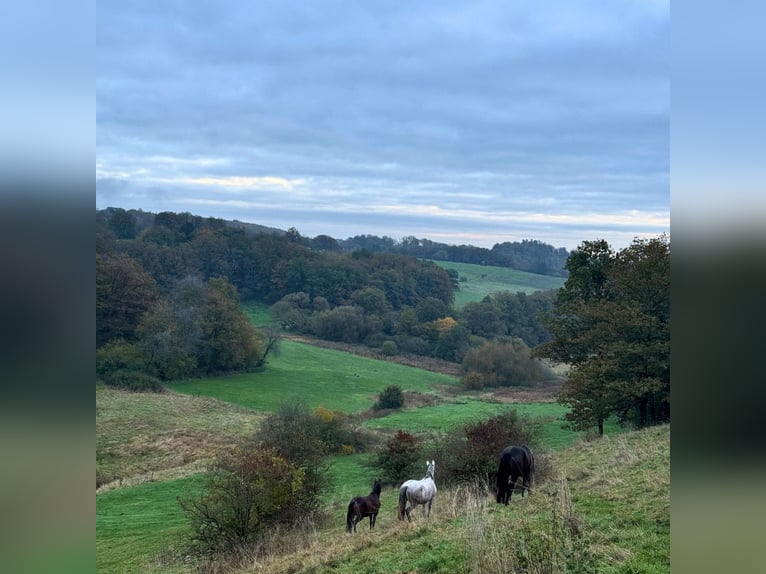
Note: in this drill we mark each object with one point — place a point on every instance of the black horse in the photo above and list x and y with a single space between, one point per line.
515 462
361 506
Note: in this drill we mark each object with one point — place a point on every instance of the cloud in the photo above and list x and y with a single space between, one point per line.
473 108
265 182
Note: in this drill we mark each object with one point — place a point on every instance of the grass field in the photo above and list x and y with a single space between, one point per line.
319 377
133 525
445 416
258 313
618 485
140 433
137 526
478 281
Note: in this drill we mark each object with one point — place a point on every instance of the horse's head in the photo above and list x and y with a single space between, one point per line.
430 469
377 487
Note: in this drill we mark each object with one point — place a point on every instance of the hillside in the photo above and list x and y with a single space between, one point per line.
604 506
477 281
155 446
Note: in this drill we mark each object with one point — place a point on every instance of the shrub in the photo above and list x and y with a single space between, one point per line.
399 458
118 355
295 433
470 454
133 381
413 344
472 381
389 348
391 398
248 492
337 433
344 323
504 364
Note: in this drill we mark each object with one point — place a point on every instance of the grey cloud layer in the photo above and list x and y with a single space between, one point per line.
486 106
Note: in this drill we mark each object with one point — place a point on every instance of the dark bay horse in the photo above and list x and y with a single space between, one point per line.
515 462
418 492
361 506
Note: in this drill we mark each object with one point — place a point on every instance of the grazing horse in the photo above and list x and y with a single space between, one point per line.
361 506
515 462
418 492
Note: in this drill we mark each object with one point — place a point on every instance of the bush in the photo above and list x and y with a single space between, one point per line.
391 398
337 433
389 348
470 454
344 323
121 364
296 433
248 492
398 459
118 355
472 381
133 381
414 345
504 364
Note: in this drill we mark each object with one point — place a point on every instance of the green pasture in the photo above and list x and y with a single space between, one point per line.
319 377
258 313
445 416
478 281
133 525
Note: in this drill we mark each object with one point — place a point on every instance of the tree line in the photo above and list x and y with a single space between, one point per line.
528 255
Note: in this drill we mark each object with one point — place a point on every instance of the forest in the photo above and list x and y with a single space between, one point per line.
165 281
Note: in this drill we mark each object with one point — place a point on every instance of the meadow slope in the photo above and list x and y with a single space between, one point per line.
603 507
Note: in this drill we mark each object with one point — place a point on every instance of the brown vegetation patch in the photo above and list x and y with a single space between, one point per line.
544 394
413 399
143 434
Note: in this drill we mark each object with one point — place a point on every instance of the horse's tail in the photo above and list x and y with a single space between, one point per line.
350 515
532 467
402 501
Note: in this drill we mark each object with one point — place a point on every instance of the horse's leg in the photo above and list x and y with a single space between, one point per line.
512 486
429 508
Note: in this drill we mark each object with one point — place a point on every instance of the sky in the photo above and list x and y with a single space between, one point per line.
462 122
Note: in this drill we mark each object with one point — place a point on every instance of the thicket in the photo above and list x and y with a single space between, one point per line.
197 328
501 364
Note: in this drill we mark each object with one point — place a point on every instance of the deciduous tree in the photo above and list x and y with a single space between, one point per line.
611 323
